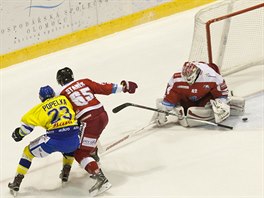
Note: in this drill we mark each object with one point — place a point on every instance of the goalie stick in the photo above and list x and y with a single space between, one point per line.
122 106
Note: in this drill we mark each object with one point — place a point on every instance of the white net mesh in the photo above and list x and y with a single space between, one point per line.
236 42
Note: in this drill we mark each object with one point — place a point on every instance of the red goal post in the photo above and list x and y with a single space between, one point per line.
230 34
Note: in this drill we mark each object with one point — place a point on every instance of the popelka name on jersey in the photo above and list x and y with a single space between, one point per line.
54 103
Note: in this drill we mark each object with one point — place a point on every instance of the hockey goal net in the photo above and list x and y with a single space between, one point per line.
230 34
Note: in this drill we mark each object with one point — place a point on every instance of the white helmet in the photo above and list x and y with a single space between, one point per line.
190 72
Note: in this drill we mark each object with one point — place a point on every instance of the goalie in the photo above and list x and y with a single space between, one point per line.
198 92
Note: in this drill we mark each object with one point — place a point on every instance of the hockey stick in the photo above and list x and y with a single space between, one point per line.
124 138
122 106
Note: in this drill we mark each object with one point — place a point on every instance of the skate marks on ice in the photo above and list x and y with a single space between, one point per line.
51 186
131 136
48 184
126 138
119 167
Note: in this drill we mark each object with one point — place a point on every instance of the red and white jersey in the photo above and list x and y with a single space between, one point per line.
81 94
209 84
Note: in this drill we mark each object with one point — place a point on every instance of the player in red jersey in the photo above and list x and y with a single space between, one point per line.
198 92
93 118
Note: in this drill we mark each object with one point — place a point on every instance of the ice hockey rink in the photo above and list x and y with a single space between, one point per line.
172 161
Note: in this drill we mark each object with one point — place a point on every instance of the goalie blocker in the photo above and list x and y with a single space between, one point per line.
216 111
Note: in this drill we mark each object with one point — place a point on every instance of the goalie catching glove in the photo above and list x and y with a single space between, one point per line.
129 86
221 110
16 135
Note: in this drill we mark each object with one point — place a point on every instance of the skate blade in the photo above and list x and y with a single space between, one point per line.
63 184
104 188
13 192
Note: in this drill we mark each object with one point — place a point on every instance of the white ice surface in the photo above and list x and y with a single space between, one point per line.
204 162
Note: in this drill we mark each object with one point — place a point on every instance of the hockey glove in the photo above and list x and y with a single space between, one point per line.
16 135
221 110
129 86
161 118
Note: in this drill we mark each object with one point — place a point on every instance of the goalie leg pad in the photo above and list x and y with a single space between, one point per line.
181 116
199 113
237 106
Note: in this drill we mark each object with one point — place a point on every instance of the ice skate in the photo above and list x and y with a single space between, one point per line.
14 186
102 184
94 155
65 172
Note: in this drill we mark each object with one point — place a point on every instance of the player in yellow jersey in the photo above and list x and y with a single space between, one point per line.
55 114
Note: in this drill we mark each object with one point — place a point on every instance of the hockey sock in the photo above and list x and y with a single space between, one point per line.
92 167
25 161
68 159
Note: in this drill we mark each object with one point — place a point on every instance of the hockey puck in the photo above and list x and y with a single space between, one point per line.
244 119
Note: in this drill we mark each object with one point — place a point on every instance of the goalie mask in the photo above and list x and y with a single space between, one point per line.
190 72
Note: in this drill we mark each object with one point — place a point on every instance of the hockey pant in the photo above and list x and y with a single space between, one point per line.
92 127
45 145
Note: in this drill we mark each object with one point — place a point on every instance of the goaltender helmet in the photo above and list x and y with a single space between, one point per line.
190 72
64 76
46 93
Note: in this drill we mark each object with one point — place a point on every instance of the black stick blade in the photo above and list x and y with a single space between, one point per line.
225 126
120 107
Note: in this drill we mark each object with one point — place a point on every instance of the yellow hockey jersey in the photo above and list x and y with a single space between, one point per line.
51 114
